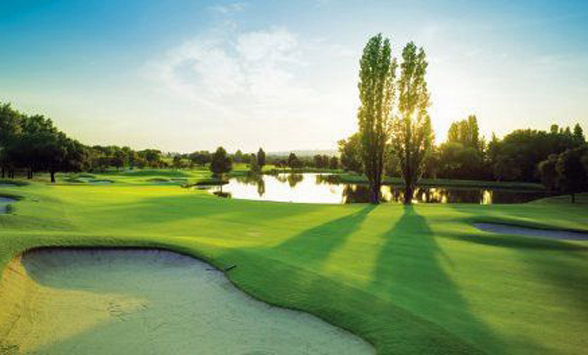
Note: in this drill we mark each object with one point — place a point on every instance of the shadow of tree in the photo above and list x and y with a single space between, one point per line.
558 268
409 272
314 245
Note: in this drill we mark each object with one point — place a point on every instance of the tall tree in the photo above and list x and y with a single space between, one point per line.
253 165
238 156
293 161
572 177
548 172
411 131
466 132
260 159
584 161
350 150
334 163
120 158
10 133
200 158
177 161
376 93
221 163
579 134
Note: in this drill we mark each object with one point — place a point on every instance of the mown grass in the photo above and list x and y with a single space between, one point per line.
416 279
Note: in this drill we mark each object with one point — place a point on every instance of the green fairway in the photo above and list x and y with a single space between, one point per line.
416 279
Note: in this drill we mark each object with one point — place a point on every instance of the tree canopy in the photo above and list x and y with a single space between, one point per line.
377 71
412 135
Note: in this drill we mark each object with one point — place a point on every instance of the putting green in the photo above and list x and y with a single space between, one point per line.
408 280
89 301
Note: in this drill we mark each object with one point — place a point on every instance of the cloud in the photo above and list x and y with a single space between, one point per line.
227 9
245 71
238 82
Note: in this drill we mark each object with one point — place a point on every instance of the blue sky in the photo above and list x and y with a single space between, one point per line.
187 75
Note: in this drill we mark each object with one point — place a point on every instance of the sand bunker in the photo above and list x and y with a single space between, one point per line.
531 232
4 202
131 301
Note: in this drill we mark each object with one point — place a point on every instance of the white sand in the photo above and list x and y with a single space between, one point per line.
116 301
531 232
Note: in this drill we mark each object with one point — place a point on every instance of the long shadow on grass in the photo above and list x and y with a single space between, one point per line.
314 245
409 273
164 209
560 266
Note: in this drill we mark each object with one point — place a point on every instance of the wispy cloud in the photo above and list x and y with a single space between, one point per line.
270 76
235 71
228 8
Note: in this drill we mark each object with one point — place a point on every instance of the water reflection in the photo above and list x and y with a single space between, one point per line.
317 188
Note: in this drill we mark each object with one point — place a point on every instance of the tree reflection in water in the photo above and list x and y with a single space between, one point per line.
317 188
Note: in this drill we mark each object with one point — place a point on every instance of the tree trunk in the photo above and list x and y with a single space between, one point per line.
375 193
573 197
52 176
3 172
408 193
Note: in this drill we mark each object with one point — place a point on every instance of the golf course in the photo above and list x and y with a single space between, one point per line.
310 177
386 278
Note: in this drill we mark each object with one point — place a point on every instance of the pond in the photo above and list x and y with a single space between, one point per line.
318 188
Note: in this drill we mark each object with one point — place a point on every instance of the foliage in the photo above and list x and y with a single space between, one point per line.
572 178
376 93
412 135
201 158
518 154
334 163
548 172
253 164
33 143
238 156
465 132
350 153
221 163
293 161
261 159
323 161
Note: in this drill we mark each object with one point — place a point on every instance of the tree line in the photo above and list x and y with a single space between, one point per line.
467 155
395 137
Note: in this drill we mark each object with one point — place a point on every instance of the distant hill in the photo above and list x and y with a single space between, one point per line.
305 153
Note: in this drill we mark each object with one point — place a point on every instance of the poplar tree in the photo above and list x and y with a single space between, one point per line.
411 133
376 93
260 159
